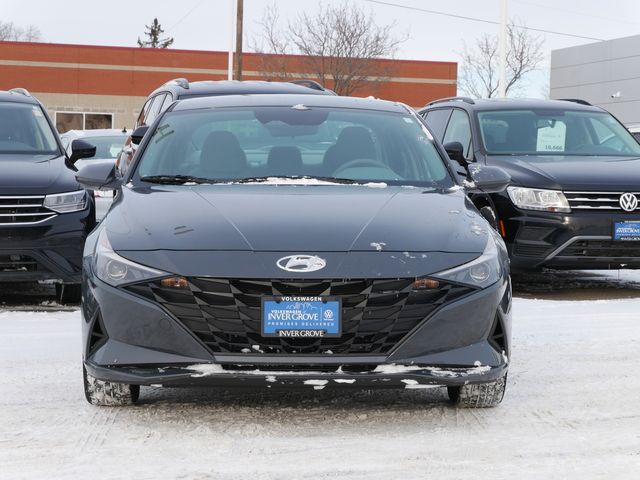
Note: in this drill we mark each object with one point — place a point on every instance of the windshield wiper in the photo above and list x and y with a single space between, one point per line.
175 179
267 178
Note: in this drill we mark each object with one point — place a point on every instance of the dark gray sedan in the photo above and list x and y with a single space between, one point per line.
280 241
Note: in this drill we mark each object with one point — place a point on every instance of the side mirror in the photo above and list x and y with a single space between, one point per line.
138 133
99 176
455 150
81 149
487 179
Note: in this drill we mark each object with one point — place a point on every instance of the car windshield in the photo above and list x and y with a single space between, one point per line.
255 143
25 130
555 132
106 147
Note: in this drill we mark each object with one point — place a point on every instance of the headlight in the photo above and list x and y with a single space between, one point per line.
537 199
116 270
66 202
481 272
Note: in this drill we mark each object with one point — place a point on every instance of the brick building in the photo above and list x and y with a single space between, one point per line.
86 86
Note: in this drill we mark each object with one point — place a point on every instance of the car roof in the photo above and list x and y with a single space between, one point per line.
356 103
17 96
97 132
512 104
183 89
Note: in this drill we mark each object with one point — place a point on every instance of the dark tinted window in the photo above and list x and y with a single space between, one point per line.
459 130
233 144
142 118
553 132
154 110
437 121
25 129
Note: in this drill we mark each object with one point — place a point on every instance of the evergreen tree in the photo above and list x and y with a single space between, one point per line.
153 33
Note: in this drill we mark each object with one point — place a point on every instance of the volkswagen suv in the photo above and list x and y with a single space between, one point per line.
45 215
575 169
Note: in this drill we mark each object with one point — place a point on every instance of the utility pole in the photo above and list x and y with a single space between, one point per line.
503 52
230 56
238 63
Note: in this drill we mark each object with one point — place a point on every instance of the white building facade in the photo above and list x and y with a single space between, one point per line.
606 74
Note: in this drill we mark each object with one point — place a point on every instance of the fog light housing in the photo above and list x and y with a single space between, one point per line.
425 284
175 282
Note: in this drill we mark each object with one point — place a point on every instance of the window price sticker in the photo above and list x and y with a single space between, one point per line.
552 138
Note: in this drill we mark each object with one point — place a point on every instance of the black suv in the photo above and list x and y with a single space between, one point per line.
180 88
45 215
573 200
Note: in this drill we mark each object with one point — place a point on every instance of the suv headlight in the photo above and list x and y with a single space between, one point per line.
115 270
538 199
481 272
66 202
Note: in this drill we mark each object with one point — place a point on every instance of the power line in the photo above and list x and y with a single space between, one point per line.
185 16
574 12
481 20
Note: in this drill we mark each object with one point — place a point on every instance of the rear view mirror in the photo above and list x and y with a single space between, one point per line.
81 149
488 179
138 134
455 150
99 176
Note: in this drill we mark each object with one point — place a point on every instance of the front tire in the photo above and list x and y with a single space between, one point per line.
109 394
478 395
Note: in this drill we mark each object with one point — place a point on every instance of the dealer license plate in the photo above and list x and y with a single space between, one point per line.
626 231
301 317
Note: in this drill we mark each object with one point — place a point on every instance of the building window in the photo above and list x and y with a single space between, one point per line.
66 121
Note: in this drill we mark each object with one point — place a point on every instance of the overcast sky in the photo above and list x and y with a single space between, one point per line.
206 24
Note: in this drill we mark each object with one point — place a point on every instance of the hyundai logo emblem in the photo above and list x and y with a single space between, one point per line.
301 263
628 202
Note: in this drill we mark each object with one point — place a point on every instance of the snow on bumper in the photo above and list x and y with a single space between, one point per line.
385 375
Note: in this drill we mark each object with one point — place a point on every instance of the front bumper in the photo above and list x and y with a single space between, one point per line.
48 251
130 339
213 375
576 240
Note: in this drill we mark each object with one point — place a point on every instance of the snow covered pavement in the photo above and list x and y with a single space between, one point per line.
572 411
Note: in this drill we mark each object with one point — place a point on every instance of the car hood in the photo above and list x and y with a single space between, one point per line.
295 219
571 172
35 175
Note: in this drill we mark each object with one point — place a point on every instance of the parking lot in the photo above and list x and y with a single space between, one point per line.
570 411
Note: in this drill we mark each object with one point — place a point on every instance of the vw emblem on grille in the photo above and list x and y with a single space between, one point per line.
628 202
301 263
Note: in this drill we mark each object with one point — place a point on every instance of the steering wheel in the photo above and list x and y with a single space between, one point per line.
361 162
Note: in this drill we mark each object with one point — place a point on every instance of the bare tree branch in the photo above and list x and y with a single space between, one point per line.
339 44
10 31
480 63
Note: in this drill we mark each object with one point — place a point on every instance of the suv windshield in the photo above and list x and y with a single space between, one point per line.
25 130
234 144
555 132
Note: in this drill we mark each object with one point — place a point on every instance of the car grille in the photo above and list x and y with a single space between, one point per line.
602 248
609 201
225 314
23 210
17 263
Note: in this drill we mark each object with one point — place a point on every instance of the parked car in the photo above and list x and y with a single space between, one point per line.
575 171
109 143
45 215
180 88
294 240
